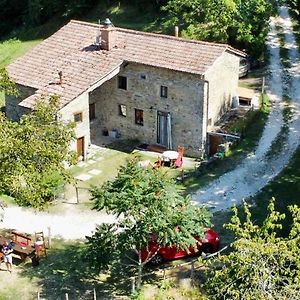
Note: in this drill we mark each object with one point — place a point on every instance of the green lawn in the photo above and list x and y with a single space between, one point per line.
12 49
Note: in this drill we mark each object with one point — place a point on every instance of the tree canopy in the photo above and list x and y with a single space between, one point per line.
33 153
243 24
6 84
145 201
262 263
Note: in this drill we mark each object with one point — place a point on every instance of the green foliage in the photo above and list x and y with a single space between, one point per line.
240 23
145 201
6 84
262 264
33 153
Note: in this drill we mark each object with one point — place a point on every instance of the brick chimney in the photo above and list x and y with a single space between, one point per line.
108 35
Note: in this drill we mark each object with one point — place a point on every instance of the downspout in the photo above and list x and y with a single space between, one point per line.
206 119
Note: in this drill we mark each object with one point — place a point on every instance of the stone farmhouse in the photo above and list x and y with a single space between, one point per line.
156 88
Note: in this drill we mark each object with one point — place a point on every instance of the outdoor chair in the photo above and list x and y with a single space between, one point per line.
179 161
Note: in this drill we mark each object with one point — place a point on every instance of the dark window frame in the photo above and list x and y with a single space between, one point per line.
92 111
122 82
163 91
78 117
139 117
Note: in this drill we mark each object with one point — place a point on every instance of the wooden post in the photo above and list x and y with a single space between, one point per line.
67 296
49 237
38 296
176 31
95 295
164 274
77 195
263 85
133 284
192 270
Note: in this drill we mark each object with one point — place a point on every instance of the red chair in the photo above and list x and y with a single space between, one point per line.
179 161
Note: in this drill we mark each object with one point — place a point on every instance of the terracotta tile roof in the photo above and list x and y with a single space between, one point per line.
71 51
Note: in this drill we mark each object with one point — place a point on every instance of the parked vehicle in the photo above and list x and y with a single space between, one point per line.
210 244
244 67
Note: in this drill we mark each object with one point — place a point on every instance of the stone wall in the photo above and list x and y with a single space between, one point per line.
222 86
184 103
12 108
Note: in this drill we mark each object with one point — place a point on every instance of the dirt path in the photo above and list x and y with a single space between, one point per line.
259 168
71 224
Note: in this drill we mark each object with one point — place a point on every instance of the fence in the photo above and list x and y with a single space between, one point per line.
160 274
76 194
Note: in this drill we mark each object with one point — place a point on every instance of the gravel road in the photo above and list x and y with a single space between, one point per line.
258 169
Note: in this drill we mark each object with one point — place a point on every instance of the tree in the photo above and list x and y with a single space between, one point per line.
6 84
262 264
243 24
33 154
144 201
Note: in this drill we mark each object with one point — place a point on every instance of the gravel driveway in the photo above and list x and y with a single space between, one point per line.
258 169
246 180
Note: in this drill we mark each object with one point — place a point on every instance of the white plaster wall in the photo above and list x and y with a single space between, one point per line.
82 129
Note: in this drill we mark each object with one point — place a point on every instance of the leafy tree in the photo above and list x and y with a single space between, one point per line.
262 265
6 84
241 23
144 201
33 153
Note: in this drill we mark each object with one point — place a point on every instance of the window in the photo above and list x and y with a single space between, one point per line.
164 91
92 111
122 82
139 117
78 117
122 110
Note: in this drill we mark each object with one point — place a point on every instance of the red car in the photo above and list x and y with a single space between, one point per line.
210 244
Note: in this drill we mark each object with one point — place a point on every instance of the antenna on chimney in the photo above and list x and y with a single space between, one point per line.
176 32
98 35
60 77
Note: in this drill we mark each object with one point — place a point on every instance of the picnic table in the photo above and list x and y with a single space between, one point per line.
169 156
22 245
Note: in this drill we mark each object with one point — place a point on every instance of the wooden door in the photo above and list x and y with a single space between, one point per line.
80 148
214 142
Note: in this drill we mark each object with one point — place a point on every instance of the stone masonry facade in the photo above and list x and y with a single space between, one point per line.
194 103
183 102
12 108
186 102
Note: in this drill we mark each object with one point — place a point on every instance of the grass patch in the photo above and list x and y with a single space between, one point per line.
125 15
14 48
9 51
285 188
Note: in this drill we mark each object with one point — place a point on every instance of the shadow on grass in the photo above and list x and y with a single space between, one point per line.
65 270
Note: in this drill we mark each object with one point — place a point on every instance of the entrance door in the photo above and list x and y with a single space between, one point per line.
80 148
164 133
